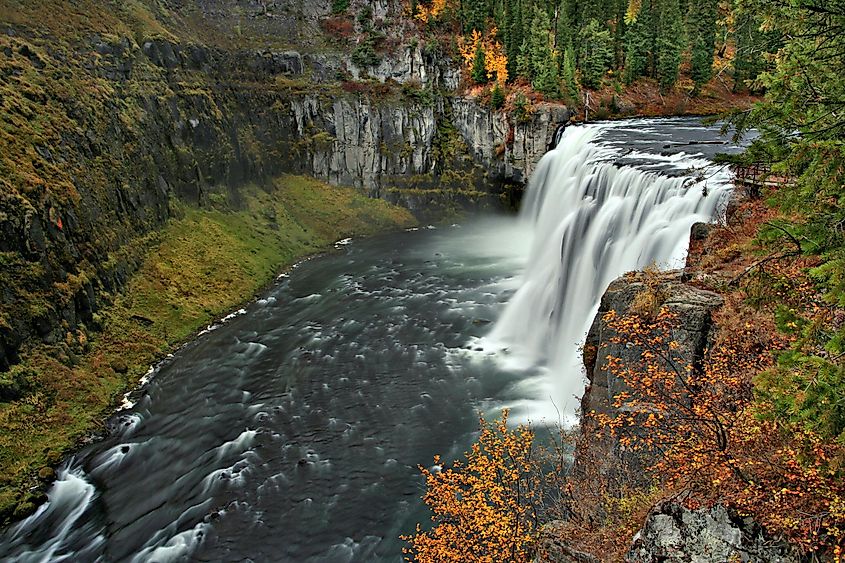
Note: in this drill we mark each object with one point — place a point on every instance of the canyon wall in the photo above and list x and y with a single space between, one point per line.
115 118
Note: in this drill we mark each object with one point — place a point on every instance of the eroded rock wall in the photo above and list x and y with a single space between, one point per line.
693 332
117 126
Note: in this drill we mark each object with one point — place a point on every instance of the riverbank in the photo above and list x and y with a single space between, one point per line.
204 263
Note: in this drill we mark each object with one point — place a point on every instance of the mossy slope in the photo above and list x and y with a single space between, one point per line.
202 263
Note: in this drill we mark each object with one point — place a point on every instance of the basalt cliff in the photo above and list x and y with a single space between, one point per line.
114 114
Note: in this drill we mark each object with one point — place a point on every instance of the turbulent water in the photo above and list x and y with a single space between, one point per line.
293 431
606 201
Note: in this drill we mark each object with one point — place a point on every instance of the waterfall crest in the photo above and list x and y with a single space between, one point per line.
593 221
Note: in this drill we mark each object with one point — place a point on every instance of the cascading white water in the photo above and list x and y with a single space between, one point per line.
593 221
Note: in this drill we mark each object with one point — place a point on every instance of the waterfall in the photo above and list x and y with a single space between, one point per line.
592 221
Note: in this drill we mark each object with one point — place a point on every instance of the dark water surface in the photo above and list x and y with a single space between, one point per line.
293 432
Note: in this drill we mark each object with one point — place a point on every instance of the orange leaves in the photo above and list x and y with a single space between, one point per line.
432 12
483 508
702 424
495 60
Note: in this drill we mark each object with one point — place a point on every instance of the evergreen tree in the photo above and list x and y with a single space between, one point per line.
514 34
596 53
536 51
701 27
640 40
547 81
497 97
475 14
751 43
637 50
654 41
499 15
564 33
570 84
670 43
618 30
537 60
479 70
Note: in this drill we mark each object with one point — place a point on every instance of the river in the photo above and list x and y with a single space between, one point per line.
294 430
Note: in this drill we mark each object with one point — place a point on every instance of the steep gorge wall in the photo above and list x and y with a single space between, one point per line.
671 531
106 126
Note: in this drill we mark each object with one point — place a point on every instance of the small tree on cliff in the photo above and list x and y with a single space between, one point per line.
485 509
497 96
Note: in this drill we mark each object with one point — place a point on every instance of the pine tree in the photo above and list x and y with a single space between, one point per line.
570 84
596 53
751 43
701 27
618 30
640 39
535 51
537 60
669 43
514 34
479 70
637 50
564 33
497 96
547 81
475 14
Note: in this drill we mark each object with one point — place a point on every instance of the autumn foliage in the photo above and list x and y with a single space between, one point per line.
485 509
711 438
433 11
495 60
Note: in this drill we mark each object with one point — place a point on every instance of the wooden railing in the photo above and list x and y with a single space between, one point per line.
752 178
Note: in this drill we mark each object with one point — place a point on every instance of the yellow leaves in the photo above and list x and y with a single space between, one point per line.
702 425
432 12
495 60
484 507
633 11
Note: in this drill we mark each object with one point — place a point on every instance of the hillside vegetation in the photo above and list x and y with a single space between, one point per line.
611 57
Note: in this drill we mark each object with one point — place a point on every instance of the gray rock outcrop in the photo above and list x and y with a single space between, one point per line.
692 333
674 534
671 532
508 147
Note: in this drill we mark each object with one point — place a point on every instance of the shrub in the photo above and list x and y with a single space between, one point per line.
647 303
522 108
364 55
485 509
16 383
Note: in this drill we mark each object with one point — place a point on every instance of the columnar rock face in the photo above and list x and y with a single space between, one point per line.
359 142
509 147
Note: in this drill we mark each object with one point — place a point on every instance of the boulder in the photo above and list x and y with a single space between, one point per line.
693 332
673 533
